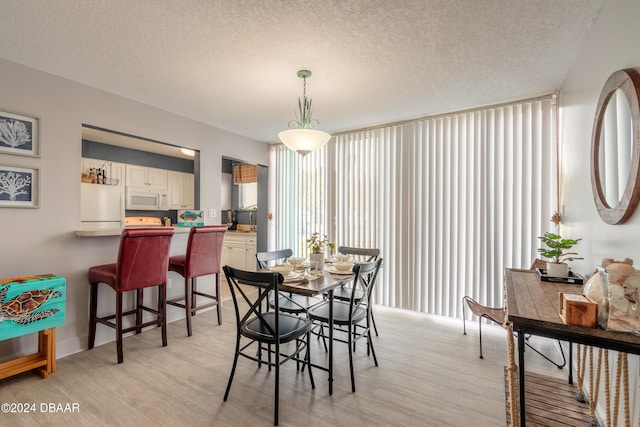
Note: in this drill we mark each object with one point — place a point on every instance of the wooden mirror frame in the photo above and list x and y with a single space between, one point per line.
628 81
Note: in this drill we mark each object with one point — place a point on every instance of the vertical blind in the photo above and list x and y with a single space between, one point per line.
450 201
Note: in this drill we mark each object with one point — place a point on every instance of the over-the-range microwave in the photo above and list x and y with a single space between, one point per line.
146 199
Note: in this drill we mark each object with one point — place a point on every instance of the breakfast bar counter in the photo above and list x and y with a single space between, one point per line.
116 231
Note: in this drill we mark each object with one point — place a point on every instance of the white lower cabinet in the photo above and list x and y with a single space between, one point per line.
239 251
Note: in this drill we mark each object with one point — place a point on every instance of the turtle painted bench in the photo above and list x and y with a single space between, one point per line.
31 304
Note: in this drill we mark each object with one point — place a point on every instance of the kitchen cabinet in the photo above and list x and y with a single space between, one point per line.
142 176
251 252
112 169
181 190
239 251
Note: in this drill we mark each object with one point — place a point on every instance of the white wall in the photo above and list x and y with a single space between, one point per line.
611 45
35 241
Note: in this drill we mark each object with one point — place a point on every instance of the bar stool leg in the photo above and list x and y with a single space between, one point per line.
93 306
139 303
162 312
194 300
188 301
119 326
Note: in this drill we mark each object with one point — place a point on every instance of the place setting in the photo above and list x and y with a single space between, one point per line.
298 270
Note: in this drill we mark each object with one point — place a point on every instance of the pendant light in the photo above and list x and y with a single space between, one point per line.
302 136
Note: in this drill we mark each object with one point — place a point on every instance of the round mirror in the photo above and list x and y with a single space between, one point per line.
615 148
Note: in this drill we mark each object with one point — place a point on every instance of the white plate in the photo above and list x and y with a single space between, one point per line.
280 269
334 270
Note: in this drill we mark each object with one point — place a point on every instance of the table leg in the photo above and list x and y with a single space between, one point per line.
330 342
521 342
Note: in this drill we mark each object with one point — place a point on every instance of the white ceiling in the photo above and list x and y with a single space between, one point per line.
233 63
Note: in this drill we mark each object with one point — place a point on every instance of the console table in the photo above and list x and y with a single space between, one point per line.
532 308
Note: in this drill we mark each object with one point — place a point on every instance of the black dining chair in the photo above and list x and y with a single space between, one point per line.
352 313
273 328
289 303
359 254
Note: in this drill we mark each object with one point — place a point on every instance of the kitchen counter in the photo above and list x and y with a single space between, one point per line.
116 231
242 233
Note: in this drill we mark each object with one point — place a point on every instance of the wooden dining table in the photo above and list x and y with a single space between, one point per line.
323 284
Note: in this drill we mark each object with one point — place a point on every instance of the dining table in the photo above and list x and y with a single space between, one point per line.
323 282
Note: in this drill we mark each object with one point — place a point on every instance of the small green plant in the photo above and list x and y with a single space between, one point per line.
317 245
557 247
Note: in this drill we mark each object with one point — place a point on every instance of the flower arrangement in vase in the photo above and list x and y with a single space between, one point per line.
318 246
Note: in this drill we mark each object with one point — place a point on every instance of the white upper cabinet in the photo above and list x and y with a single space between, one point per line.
142 176
181 190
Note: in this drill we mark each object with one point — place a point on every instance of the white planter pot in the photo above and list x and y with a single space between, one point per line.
319 258
557 270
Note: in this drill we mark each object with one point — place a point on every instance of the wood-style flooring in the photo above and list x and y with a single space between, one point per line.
429 374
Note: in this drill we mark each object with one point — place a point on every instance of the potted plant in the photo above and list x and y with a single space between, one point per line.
318 246
557 251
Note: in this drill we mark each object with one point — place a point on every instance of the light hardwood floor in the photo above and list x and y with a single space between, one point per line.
429 374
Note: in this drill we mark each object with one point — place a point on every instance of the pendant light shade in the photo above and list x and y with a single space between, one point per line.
302 136
304 141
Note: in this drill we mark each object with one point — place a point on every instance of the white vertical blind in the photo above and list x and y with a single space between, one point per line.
450 201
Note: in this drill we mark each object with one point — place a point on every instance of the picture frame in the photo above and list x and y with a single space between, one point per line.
19 135
19 187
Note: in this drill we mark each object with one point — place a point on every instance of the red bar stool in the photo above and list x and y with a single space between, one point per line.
204 250
142 262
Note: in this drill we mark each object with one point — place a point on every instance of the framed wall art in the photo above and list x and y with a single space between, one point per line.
19 187
19 135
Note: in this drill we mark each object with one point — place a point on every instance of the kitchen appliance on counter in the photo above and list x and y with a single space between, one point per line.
147 199
101 206
142 221
232 222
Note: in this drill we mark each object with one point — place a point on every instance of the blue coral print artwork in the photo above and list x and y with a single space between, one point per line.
32 305
18 134
15 185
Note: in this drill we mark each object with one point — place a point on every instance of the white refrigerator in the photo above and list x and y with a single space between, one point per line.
102 206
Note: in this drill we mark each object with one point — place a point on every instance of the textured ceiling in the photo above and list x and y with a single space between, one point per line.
233 63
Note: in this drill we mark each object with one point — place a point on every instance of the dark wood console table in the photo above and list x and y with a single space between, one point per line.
532 308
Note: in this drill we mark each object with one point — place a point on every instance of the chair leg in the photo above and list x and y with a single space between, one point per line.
93 306
277 387
162 309
119 326
324 340
139 303
464 316
373 321
370 344
308 359
189 285
218 299
556 364
350 339
233 367
194 297
480 334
